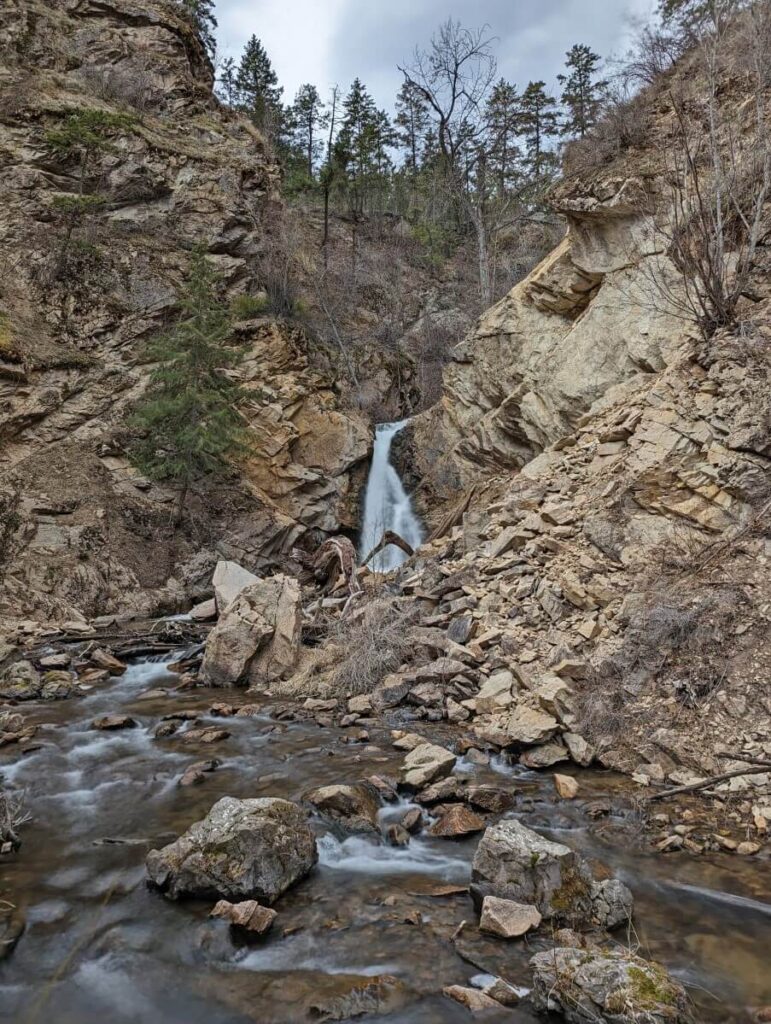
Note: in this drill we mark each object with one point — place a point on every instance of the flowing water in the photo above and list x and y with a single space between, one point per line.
100 946
387 505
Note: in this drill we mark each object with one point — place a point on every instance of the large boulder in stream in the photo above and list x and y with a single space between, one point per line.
257 637
599 986
513 862
242 849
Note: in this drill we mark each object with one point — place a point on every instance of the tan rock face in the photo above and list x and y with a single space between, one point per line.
181 170
257 638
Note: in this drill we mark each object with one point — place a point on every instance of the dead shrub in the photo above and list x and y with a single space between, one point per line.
12 816
673 641
623 126
375 643
130 84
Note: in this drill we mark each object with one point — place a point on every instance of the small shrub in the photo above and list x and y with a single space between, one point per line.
245 307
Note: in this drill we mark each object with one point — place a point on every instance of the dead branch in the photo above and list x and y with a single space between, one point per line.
389 537
705 783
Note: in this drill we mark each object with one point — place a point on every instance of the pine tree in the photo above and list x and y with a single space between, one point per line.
201 13
228 90
503 116
361 145
258 90
308 120
412 123
539 124
188 414
581 94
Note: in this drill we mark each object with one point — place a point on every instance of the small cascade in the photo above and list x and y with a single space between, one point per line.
387 505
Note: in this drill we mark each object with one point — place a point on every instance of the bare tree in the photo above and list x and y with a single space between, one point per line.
722 176
454 76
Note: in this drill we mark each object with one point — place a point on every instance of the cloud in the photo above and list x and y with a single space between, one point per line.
333 41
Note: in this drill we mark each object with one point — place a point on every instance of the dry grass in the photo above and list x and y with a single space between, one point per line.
12 816
375 643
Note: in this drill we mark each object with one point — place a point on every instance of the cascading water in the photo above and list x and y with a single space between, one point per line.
387 505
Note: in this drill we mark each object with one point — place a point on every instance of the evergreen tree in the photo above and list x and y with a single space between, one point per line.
691 17
201 13
308 120
188 414
412 123
362 145
581 93
258 90
503 117
539 124
228 90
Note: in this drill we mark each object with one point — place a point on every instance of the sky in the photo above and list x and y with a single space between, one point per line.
332 41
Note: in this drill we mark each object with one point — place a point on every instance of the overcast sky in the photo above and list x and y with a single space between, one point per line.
333 41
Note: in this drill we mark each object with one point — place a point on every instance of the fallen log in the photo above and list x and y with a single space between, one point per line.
705 783
389 537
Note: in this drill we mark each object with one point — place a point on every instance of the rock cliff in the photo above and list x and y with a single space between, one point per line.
82 532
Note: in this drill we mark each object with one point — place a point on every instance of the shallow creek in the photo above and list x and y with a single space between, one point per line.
100 946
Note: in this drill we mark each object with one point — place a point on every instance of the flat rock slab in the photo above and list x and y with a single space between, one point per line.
248 915
508 919
427 763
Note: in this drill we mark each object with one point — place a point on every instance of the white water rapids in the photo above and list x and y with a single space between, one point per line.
387 505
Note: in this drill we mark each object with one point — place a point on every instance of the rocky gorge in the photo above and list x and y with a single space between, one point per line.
520 771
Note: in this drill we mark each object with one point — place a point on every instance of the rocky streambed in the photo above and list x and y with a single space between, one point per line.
373 928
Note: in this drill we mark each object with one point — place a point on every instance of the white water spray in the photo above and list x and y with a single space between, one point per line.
387 505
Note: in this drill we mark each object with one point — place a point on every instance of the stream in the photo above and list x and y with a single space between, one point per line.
99 945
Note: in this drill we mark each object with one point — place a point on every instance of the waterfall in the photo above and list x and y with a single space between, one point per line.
387 505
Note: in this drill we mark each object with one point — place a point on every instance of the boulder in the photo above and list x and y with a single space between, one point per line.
456 821
545 756
472 998
496 694
506 918
355 807
59 685
111 723
242 849
612 903
524 725
587 986
257 637
103 659
205 611
248 915
566 786
229 580
21 681
512 862
579 749
425 764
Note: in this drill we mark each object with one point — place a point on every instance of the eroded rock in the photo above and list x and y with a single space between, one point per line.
242 849
587 986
